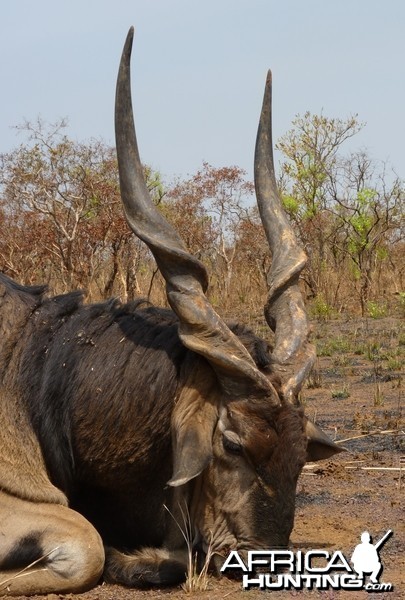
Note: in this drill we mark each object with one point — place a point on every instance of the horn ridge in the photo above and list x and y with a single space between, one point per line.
284 310
143 217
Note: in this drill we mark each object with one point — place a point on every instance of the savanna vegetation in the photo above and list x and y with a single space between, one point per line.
62 222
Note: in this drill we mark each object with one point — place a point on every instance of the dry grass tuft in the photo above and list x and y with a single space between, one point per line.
198 578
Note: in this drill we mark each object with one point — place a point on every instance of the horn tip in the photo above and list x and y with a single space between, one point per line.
268 86
129 40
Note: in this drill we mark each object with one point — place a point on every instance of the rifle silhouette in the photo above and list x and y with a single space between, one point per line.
383 539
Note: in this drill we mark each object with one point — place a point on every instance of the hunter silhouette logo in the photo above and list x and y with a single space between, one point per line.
365 558
315 569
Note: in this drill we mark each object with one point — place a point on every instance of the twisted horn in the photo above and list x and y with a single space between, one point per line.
284 310
200 329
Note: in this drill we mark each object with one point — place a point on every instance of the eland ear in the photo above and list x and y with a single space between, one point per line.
193 422
320 446
192 454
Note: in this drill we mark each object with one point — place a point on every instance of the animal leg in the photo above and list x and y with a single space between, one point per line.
146 567
46 548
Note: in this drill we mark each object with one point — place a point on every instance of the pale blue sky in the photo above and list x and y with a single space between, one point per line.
199 68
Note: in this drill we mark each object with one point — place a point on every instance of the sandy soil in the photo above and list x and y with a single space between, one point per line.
355 392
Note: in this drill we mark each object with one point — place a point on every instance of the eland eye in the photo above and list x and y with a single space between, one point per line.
231 446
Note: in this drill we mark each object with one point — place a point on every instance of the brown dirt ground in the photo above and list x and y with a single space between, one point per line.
354 391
